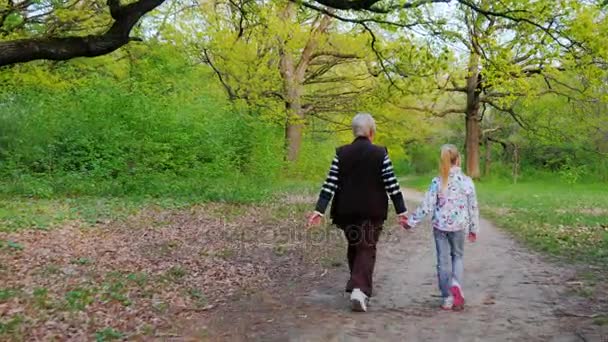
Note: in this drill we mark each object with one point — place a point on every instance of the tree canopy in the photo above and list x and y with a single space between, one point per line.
306 66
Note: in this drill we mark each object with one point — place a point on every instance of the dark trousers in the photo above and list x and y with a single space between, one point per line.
362 239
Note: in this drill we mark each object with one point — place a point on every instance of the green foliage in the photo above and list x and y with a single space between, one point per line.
9 326
572 174
6 294
41 298
176 273
198 297
423 158
79 298
10 245
162 131
108 334
316 154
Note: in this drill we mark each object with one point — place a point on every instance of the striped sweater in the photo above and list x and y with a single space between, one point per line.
391 185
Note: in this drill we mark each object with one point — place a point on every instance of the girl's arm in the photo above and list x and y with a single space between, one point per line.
427 206
473 208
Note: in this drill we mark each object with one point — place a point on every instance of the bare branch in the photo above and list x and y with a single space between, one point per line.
510 111
433 112
336 54
207 59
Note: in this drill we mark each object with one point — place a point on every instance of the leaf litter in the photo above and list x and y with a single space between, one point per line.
137 278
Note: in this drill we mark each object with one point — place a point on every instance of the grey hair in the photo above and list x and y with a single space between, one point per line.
362 124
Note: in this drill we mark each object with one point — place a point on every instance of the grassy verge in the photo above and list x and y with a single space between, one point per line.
551 216
30 212
568 220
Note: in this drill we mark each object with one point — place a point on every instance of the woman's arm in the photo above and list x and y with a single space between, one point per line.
329 188
391 185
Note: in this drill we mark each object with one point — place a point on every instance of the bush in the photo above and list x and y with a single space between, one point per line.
316 154
146 136
424 158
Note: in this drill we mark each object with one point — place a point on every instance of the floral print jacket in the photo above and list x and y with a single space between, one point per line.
453 209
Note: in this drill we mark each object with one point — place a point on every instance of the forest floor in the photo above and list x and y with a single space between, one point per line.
223 272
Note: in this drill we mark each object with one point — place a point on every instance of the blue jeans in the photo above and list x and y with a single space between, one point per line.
450 249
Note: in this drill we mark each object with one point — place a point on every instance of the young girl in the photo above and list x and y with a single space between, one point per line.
452 201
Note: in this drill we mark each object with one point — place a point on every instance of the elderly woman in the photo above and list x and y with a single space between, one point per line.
360 177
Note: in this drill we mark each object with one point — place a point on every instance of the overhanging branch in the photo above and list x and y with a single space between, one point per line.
512 15
125 18
510 111
353 20
371 5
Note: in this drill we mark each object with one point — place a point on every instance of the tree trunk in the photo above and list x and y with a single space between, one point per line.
293 74
515 163
473 121
294 124
488 159
293 138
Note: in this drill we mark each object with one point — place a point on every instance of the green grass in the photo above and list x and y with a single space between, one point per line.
9 327
25 212
6 294
79 298
19 212
108 334
562 219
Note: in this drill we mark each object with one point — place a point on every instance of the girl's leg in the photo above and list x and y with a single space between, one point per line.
456 240
444 271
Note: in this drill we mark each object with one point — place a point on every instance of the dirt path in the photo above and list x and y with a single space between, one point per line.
512 295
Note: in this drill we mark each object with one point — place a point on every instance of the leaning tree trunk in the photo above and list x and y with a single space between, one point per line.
473 121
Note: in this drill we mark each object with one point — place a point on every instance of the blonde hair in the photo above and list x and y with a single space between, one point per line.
449 158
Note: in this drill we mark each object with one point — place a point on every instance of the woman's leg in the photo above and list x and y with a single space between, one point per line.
444 271
362 239
353 235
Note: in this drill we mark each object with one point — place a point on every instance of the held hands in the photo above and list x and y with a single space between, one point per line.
472 237
314 219
402 220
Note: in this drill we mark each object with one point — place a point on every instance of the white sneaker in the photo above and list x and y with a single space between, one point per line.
358 300
448 303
